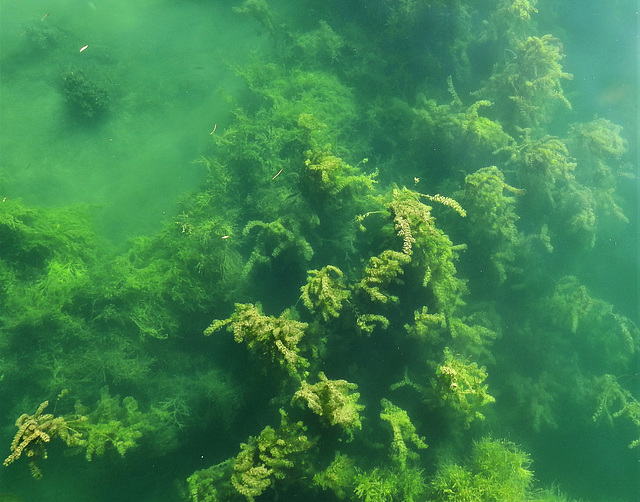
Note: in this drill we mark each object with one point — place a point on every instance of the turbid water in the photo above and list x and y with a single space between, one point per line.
376 250
167 75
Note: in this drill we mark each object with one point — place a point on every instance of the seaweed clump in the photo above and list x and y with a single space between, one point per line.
86 98
311 209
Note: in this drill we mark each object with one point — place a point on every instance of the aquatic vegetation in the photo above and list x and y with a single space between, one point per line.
118 424
329 177
609 395
474 334
348 482
496 470
599 148
382 485
575 311
336 192
285 95
545 162
274 337
112 424
381 272
86 99
530 86
268 457
460 386
338 476
427 327
431 252
493 233
274 239
333 401
31 236
482 133
403 431
538 399
510 22
325 292
34 432
556 182
213 484
259 10
323 45
401 170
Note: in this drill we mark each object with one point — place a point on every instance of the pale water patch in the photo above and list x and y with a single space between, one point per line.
160 71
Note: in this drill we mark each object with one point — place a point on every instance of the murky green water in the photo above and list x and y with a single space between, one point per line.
166 74
379 250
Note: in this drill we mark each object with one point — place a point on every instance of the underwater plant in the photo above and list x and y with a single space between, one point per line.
268 457
480 305
112 424
274 337
34 432
493 235
86 99
403 431
497 470
333 401
325 292
459 385
528 89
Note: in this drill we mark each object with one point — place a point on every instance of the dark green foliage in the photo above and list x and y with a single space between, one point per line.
275 239
530 85
388 171
45 260
86 98
31 236
118 425
493 235
615 402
